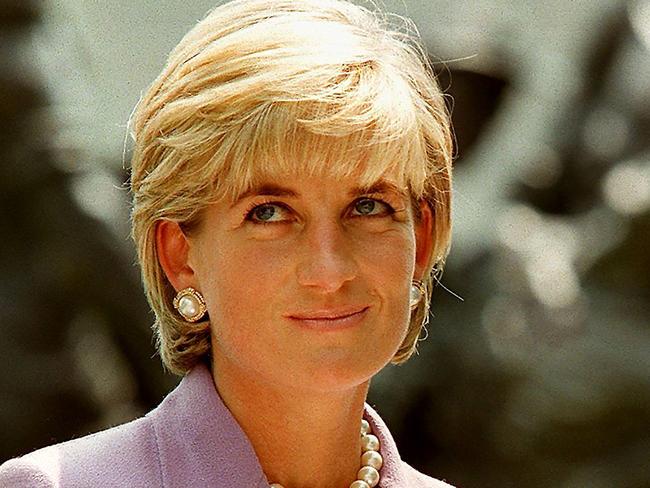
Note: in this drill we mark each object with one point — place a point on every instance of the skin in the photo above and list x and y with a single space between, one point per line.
306 281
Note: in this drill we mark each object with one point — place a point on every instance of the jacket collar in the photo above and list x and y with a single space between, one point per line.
201 444
392 474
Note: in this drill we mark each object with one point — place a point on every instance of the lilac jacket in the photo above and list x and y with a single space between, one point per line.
190 440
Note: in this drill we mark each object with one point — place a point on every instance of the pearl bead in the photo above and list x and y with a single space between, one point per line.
188 306
365 427
359 484
372 458
369 474
369 442
276 485
415 296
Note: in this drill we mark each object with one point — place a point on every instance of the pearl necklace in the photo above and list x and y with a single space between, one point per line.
371 460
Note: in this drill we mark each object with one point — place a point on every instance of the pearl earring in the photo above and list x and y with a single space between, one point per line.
190 304
417 292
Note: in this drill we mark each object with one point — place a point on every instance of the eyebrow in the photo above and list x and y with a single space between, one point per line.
267 189
273 190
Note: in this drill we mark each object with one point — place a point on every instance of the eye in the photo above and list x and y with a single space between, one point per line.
369 207
267 213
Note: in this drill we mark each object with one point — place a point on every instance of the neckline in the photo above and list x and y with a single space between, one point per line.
199 440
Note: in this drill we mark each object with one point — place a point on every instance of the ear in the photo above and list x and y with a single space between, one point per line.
423 240
173 248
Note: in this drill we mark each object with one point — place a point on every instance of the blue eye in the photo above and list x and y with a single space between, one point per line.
371 207
266 213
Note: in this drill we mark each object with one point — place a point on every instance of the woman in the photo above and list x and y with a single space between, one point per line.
291 183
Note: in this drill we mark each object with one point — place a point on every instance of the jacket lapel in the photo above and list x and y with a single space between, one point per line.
201 444
199 441
392 472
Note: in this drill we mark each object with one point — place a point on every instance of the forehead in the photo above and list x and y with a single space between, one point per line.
349 160
300 185
279 181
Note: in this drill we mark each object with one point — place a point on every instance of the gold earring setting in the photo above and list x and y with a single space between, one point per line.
190 304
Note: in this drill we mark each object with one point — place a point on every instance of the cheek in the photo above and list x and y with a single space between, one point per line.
231 263
391 257
242 281
388 266
246 278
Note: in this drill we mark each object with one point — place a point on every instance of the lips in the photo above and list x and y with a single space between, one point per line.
329 319
327 314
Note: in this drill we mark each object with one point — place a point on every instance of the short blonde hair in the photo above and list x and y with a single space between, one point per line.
264 87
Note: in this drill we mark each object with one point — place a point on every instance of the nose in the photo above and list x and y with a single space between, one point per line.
328 260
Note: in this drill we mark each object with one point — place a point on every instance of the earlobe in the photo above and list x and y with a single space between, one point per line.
423 240
172 247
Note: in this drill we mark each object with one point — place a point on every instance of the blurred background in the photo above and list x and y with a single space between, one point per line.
536 369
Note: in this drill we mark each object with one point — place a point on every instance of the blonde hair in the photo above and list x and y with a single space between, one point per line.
264 87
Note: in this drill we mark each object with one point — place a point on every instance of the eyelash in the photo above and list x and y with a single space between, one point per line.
248 213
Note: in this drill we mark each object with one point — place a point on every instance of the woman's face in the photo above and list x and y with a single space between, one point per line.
307 279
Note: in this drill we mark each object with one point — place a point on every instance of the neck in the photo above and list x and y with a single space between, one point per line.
301 437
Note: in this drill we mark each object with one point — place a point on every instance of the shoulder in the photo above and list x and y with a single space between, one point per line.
121 456
20 474
396 473
420 480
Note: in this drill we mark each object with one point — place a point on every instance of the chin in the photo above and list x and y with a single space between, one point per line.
336 370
